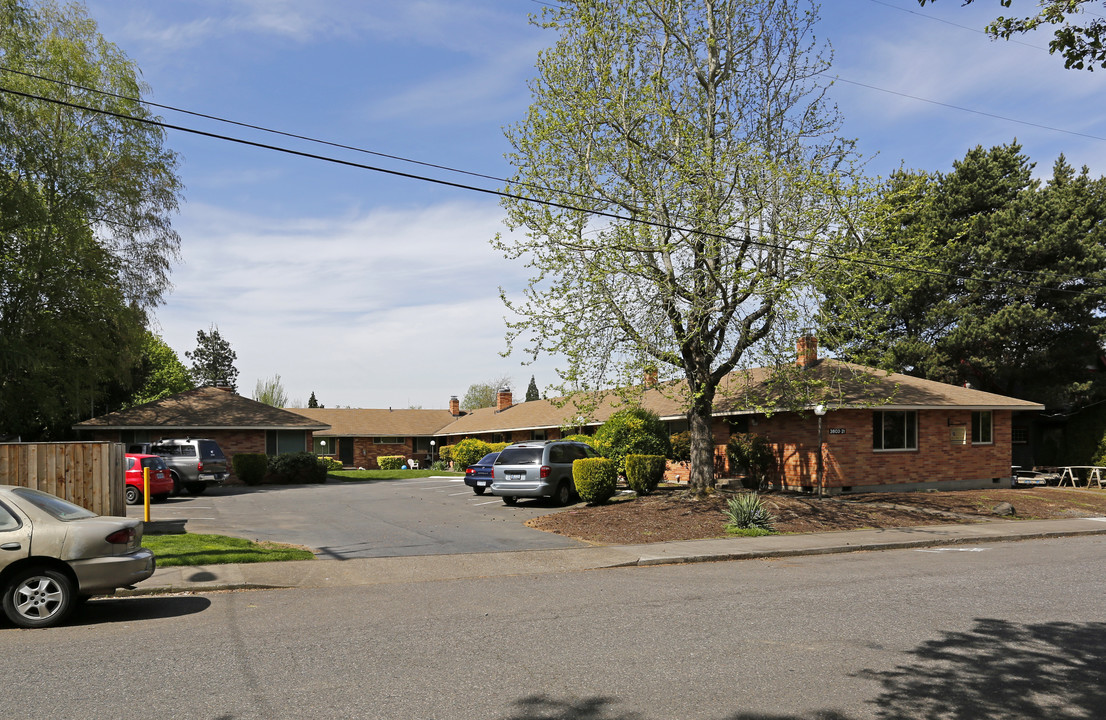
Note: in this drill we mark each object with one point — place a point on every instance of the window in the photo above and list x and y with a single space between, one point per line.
537 435
278 442
326 446
982 424
895 430
389 441
8 521
1020 435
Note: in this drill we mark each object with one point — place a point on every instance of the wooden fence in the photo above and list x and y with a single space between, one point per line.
89 474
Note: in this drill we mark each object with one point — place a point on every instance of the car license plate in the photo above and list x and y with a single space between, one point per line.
515 476
481 483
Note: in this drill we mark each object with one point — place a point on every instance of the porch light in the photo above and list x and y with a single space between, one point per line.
820 410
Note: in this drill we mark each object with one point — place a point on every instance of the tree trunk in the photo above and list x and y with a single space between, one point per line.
699 421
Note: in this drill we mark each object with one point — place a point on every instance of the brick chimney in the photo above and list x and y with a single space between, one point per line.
454 406
503 399
808 351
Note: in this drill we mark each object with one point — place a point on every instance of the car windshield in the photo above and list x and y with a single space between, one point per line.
520 456
60 509
154 463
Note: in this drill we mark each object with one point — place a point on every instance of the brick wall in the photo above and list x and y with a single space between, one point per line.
231 442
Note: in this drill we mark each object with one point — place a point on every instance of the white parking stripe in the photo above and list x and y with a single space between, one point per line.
485 503
460 493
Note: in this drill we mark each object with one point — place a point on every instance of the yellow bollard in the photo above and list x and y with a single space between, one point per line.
146 494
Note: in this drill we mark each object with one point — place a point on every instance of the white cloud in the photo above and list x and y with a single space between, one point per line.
387 308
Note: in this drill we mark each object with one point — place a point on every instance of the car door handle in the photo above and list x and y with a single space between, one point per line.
10 546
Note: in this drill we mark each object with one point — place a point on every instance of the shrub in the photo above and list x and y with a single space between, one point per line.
633 431
747 512
469 451
296 468
250 467
595 479
391 462
753 454
644 472
681 446
439 466
330 463
445 453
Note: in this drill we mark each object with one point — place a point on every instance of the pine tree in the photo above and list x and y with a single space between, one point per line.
532 391
213 360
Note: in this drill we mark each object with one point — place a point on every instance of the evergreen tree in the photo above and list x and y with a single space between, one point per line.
312 402
532 390
213 360
985 277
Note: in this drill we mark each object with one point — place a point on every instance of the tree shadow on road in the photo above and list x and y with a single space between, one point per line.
1000 669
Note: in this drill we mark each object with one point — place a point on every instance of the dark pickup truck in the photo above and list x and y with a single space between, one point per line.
194 463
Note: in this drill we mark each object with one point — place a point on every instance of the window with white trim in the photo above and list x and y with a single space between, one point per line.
895 430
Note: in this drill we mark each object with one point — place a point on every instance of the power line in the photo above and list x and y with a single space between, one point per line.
549 203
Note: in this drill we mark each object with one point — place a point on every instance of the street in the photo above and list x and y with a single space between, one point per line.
383 518
1009 630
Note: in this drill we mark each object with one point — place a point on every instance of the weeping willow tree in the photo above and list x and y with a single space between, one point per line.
677 163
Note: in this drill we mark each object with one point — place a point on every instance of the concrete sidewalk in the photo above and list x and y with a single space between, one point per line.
376 571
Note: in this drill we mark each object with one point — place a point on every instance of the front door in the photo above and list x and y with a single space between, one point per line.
345 451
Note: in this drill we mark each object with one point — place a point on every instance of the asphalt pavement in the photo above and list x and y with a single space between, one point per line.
425 568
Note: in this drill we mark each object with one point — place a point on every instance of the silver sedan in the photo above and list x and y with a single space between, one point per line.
54 554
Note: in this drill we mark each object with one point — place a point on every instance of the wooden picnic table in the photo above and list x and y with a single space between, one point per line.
1068 473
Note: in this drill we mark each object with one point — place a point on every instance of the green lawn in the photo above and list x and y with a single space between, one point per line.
198 549
356 475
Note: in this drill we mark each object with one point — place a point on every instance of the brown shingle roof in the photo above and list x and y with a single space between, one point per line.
205 408
362 423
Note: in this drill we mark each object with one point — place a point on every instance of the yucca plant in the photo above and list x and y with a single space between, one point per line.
747 512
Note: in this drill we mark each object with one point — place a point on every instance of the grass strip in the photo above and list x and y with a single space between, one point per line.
199 549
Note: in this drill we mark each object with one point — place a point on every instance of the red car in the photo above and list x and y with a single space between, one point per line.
161 483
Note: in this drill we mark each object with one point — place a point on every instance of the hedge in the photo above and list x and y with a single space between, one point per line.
391 462
296 468
645 472
250 467
595 479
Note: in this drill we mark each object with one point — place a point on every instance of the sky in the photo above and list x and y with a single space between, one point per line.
375 290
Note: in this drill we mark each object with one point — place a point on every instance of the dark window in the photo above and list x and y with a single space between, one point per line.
895 430
520 456
8 521
982 427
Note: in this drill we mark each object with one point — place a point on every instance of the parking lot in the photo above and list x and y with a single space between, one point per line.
382 518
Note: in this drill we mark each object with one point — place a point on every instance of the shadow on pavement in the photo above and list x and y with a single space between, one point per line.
1000 669
108 610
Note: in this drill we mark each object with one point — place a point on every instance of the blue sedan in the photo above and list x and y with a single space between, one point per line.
478 476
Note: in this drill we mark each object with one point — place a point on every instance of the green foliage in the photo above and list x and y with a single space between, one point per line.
312 402
485 394
645 472
595 479
532 392
271 392
445 452
213 360
86 200
709 197
586 439
747 511
330 463
391 462
681 446
296 469
634 430
1006 310
753 454
160 372
440 466
468 451
1082 44
250 468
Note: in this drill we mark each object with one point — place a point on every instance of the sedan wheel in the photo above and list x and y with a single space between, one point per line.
509 499
132 495
479 489
38 597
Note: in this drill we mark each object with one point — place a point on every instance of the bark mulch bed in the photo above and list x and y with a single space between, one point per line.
673 513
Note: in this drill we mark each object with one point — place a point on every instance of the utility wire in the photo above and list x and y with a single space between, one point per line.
419 162
549 203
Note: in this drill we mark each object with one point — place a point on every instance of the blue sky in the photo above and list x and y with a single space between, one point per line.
377 291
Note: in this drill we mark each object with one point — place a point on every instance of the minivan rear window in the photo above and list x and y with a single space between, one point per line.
520 456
